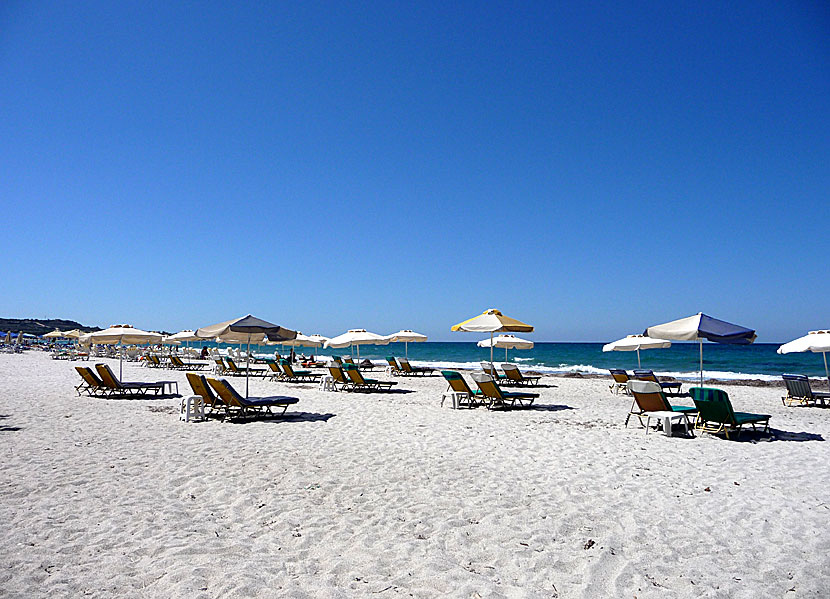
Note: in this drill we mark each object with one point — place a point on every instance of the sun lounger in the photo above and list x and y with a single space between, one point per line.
394 369
514 376
219 365
410 370
360 383
465 396
620 383
152 361
666 386
491 391
119 388
715 414
251 406
488 368
340 377
201 388
91 384
799 391
234 370
177 363
650 397
293 376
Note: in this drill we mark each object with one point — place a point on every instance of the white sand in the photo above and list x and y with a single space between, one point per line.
389 495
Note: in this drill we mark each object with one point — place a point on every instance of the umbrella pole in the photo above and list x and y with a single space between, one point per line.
638 358
826 373
701 362
491 347
121 361
247 362
406 349
505 354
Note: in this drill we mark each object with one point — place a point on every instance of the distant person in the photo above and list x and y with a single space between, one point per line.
204 354
292 356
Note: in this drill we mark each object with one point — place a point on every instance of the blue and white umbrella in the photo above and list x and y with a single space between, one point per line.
700 327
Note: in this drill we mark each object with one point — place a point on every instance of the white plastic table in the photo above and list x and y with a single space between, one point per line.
668 418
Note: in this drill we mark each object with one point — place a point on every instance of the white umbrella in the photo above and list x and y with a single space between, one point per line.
814 341
185 335
699 327
119 334
406 337
356 337
246 329
492 321
507 342
636 343
53 334
300 341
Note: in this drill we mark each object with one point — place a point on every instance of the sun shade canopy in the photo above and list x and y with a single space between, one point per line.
492 321
699 327
636 343
247 329
814 341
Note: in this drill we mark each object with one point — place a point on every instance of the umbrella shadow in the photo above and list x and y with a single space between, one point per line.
549 408
750 436
287 417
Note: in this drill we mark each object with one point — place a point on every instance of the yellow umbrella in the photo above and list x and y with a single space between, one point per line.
492 321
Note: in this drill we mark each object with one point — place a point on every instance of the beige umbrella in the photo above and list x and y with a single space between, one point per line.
246 329
406 336
73 334
636 343
814 341
56 334
507 342
120 334
356 338
492 321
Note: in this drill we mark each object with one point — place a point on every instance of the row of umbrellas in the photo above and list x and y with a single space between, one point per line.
248 329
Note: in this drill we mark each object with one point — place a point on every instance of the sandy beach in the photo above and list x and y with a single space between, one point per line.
390 494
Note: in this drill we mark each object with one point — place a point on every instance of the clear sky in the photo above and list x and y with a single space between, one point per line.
591 168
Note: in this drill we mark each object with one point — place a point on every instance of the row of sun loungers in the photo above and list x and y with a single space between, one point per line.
713 410
102 382
621 379
488 394
222 399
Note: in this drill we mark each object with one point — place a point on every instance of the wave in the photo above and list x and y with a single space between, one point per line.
589 369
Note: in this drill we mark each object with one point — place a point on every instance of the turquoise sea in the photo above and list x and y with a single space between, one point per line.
756 361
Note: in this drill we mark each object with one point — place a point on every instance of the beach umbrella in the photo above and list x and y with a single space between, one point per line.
700 327
8 337
300 341
636 343
507 342
73 334
53 334
356 338
492 321
814 341
120 334
186 335
406 337
245 330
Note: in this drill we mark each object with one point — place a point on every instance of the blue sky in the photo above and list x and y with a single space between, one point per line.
589 168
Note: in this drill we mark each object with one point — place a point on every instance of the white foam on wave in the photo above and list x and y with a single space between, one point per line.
589 369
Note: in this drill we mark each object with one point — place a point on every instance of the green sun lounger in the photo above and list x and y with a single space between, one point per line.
715 414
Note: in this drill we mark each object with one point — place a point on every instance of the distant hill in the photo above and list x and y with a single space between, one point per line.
41 326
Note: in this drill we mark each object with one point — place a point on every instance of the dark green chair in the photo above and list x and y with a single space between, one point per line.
715 414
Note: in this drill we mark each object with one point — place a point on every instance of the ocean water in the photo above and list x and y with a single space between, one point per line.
756 361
